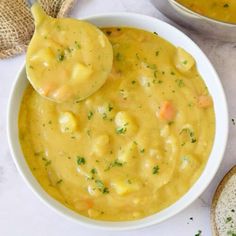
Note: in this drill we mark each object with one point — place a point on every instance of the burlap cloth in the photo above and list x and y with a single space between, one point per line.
16 22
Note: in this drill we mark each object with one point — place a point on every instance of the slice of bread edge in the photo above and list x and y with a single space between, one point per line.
216 197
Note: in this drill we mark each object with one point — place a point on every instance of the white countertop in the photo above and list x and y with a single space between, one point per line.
23 214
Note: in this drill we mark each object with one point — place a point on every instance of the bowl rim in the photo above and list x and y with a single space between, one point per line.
111 225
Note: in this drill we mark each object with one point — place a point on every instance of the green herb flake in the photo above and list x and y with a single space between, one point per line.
155 170
231 233
155 33
115 163
121 130
80 160
77 45
108 32
133 82
142 150
60 57
199 233
226 5
228 219
233 121
59 181
157 53
48 162
101 186
185 62
93 171
180 83
110 107
118 56
90 115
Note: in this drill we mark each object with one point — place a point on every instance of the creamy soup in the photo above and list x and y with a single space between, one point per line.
67 58
222 10
135 146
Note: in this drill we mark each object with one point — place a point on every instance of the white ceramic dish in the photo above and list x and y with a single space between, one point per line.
211 78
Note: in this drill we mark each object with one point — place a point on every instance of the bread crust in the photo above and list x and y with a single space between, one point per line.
216 197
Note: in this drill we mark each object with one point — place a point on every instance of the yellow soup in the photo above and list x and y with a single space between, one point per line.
135 146
222 10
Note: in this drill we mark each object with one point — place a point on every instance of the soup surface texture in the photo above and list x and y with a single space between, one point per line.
221 10
135 146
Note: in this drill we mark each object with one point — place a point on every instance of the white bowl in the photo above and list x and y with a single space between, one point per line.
210 77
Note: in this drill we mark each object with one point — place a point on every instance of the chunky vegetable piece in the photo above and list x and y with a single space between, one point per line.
67 59
135 146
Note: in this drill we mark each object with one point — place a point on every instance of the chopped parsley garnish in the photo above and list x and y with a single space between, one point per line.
121 130
108 32
115 163
231 233
155 33
157 53
226 5
80 160
77 45
101 186
59 181
133 81
228 219
110 107
191 134
47 162
198 233
233 121
152 66
155 73
60 57
142 150
118 56
90 115
180 83
93 171
185 62
155 170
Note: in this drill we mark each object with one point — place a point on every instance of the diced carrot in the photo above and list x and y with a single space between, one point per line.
167 111
204 101
89 203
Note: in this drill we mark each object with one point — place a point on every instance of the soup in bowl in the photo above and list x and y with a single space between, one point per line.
141 148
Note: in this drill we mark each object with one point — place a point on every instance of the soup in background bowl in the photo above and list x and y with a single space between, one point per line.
111 179
216 9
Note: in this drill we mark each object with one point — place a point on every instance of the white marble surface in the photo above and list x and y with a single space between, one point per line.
22 214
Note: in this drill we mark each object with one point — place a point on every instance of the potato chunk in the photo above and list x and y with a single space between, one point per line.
68 122
183 60
123 187
45 56
125 123
101 145
80 72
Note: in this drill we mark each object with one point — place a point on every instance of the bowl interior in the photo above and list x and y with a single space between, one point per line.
210 77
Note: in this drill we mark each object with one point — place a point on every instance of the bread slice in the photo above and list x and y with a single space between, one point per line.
223 207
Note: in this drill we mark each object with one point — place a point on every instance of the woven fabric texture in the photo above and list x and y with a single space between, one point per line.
16 23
